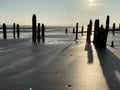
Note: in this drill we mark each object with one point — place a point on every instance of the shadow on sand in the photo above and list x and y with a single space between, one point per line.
88 48
110 65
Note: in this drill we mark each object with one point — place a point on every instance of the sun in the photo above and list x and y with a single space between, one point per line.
91 0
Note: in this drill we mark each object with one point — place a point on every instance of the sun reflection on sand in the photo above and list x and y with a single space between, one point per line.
83 75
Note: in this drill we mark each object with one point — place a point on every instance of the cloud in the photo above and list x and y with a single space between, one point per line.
95 4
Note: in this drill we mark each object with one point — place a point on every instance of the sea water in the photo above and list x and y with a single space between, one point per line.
53 34
57 35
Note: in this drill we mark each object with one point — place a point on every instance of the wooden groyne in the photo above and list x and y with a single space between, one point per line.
38 31
100 33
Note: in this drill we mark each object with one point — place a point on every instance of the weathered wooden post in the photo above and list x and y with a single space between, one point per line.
88 33
106 30
112 44
100 34
119 26
90 29
73 30
82 29
38 33
34 28
43 33
113 31
4 31
96 30
14 30
107 23
76 37
18 31
102 27
66 30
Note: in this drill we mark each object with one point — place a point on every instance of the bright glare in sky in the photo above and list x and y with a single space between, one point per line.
59 12
91 0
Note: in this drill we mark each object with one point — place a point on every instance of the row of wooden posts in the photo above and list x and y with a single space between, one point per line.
14 35
89 28
36 30
100 33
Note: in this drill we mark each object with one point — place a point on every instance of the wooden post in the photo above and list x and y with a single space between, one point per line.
82 29
66 30
43 33
96 30
113 31
119 26
107 22
90 28
14 30
100 34
18 31
88 33
76 37
73 30
112 44
38 33
102 27
34 28
106 31
4 31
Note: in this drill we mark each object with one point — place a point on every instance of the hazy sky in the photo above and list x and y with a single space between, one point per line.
59 12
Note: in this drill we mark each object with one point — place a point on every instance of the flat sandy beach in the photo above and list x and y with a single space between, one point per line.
60 65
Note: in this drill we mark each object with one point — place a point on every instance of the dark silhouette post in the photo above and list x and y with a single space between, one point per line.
82 30
89 31
38 33
102 27
4 31
100 34
18 31
106 31
43 33
113 31
112 44
14 30
66 30
107 22
76 37
119 26
73 30
96 30
34 28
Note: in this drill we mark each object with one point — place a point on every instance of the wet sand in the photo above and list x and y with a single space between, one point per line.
58 66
